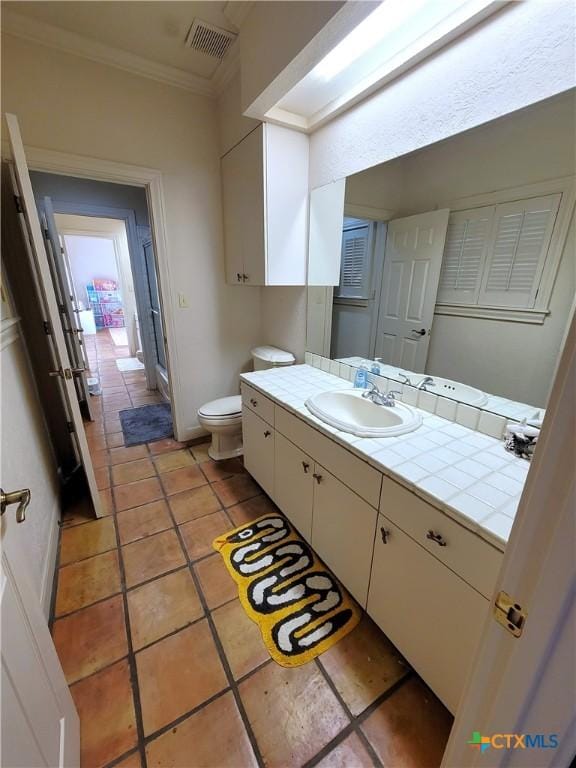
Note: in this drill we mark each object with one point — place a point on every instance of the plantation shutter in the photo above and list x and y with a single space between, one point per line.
355 263
464 255
519 245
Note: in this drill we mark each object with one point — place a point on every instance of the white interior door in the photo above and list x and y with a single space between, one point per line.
69 318
412 262
40 725
41 267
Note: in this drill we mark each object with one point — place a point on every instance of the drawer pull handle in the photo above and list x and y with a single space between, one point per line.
318 478
437 538
253 402
267 433
305 466
384 533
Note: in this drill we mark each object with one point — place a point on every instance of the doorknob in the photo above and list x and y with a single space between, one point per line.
22 498
420 332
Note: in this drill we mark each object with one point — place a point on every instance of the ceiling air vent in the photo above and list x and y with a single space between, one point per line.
209 39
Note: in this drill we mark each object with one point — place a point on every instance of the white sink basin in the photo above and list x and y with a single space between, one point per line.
347 410
457 391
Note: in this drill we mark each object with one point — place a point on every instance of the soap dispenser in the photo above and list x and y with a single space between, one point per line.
375 366
361 378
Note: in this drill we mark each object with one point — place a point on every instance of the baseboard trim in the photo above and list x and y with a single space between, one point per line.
47 583
191 433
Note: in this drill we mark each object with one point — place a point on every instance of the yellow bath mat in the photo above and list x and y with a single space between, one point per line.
299 606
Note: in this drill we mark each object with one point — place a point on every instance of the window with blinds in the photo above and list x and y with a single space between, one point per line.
495 256
355 263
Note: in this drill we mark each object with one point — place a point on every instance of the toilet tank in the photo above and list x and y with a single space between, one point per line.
271 357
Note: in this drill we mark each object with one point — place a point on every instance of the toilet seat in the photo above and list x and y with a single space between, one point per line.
222 410
223 418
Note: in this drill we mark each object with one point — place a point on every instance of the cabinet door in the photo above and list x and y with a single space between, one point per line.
426 610
293 480
232 201
252 205
258 438
343 527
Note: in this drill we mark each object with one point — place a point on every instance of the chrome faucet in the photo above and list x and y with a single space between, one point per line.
427 381
379 398
404 379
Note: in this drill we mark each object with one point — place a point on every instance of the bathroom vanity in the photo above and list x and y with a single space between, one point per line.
423 568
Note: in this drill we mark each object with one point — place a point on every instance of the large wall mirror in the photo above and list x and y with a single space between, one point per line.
455 266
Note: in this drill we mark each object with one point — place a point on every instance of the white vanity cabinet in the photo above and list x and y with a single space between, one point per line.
424 578
258 438
265 200
428 612
343 527
293 484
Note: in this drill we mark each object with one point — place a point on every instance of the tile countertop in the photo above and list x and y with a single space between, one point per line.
468 475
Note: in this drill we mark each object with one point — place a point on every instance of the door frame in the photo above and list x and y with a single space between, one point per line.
134 247
150 179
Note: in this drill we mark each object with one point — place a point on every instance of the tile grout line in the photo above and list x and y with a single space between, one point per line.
131 655
353 718
220 651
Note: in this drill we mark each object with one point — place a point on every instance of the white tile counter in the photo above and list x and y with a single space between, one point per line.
468 475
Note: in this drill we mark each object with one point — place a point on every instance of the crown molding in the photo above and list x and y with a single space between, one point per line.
78 45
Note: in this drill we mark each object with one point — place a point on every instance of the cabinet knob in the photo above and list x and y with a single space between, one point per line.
267 433
316 477
245 278
384 533
253 402
305 466
437 538
239 276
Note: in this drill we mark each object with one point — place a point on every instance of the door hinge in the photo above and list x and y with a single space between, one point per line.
70 426
46 234
509 614
18 203
47 328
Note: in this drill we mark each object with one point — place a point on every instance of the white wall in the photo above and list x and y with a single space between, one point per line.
70 104
233 126
90 257
519 56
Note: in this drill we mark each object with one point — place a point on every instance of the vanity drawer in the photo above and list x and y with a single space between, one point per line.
352 471
258 403
472 558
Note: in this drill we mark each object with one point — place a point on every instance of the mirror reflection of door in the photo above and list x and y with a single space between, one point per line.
412 264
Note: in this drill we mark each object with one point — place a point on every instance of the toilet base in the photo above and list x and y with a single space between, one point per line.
225 446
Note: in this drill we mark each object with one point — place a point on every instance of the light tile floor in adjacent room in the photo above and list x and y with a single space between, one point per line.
163 664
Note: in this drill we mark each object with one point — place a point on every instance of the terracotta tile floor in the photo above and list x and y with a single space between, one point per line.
165 667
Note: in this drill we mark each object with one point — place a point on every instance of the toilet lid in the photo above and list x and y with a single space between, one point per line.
273 355
222 408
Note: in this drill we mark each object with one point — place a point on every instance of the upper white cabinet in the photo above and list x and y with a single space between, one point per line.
265 197
326 221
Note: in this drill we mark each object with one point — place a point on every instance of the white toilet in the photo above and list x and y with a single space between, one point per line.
223 417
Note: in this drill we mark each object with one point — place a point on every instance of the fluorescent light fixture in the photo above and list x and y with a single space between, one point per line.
397 35
376 27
